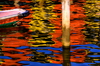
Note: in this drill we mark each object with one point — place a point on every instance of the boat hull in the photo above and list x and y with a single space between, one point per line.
7 25
9 18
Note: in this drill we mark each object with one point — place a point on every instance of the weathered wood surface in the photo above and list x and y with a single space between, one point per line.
66 31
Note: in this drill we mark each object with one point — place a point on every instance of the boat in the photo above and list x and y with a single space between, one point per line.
11 18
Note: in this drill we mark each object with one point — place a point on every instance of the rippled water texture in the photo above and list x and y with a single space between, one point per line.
32 38
85 42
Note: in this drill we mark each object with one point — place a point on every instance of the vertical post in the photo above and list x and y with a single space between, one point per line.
16 3
66 31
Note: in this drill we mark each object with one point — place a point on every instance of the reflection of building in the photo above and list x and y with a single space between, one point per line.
9 18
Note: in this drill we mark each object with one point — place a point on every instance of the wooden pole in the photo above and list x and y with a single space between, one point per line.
66 31
16 3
